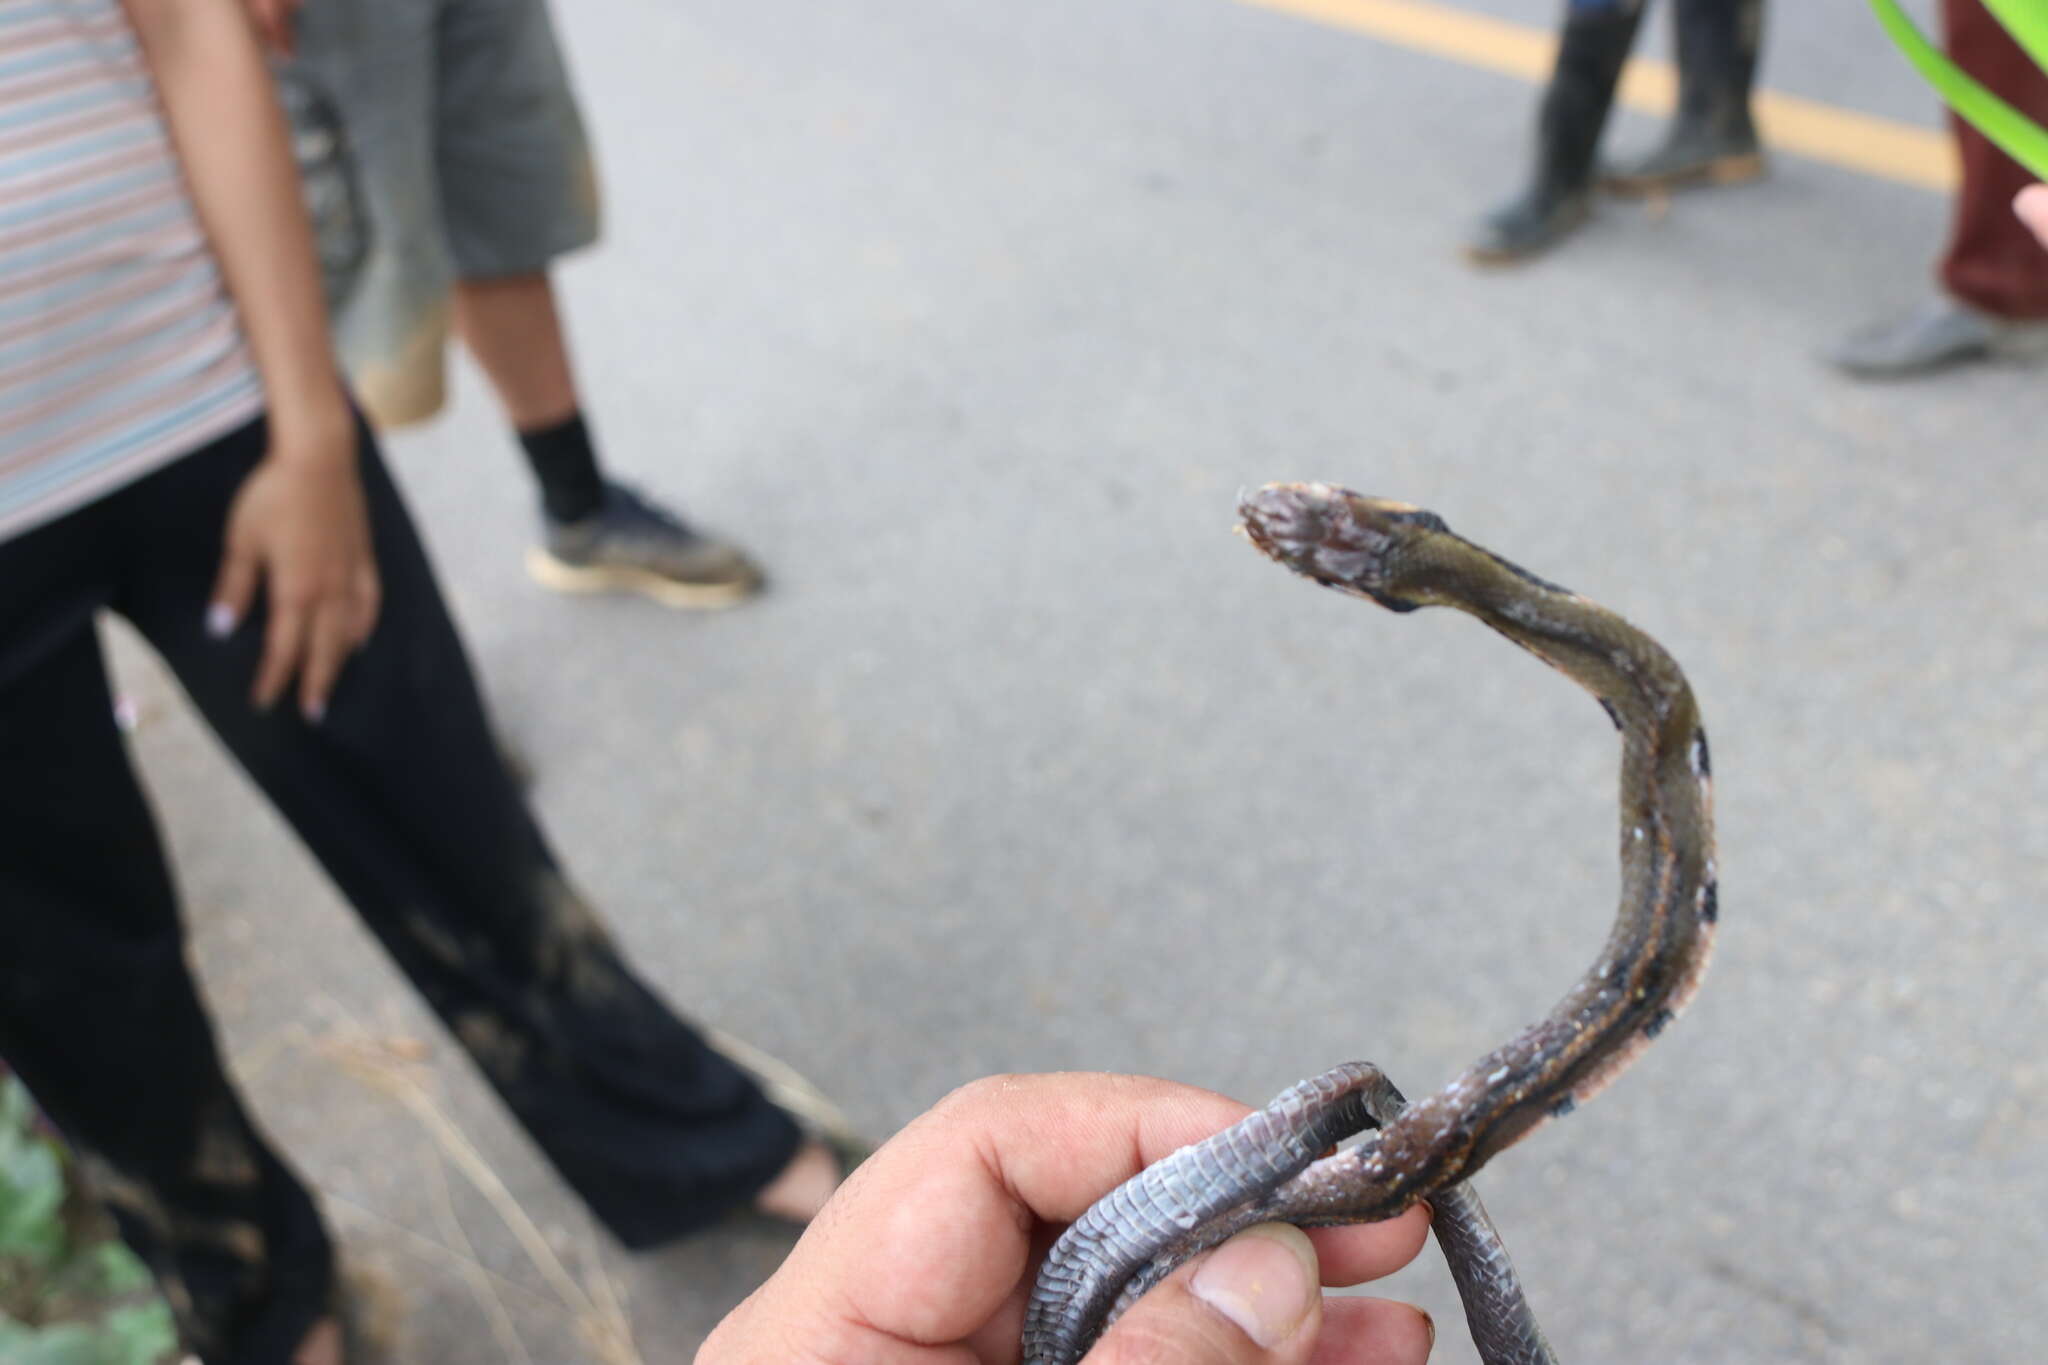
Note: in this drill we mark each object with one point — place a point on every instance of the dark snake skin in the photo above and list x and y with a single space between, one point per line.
1268 1168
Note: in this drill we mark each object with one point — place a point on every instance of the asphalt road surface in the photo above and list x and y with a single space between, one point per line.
971 319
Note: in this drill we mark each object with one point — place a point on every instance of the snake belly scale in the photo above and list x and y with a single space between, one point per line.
1270 1167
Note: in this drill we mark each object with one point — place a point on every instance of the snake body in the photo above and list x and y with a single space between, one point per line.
1269 1167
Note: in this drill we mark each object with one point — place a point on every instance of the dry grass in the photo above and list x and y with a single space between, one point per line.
396 1067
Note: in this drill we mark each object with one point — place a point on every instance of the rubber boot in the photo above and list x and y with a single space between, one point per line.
1712 140
1596 41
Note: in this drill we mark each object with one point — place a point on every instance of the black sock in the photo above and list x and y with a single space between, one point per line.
565 462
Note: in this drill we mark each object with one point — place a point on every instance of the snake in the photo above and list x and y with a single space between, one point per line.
1284 1163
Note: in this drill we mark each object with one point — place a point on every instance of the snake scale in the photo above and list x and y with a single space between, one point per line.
1272 1166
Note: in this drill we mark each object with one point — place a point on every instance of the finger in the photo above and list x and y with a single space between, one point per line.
997 1155
234 588
369 603
928 1241
2032 207
950 1204
1057 1143
1254 1300
329 640
1354 1255
284 642
1344 1256
1362 1331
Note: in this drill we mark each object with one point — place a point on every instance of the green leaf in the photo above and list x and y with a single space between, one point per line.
2015 134
31 1201
15 1109
143 1332
121 1271
2027 22
71 1343
42 1279
138 1335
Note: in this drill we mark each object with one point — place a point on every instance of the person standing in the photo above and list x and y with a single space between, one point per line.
1992 295
476 176
176 446
1712 138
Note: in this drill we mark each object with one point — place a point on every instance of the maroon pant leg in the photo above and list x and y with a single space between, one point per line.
1992 261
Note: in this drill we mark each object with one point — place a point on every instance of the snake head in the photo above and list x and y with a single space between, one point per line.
1341 539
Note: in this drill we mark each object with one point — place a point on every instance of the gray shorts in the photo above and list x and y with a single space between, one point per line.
471 163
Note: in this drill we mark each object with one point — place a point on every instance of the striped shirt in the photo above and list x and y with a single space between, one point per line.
119 348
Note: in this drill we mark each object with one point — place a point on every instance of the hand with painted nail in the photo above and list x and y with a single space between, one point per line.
298 530
928 1251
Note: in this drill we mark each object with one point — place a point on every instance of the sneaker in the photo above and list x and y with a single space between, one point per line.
630 544
1941 332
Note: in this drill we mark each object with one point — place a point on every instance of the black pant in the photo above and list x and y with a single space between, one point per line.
1717 57
401 794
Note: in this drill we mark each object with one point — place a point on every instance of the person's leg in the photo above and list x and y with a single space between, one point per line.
372 61
1993 276
401 794
598 536
511 325
518 190
1993 262
1712 140
1590 55
98 1011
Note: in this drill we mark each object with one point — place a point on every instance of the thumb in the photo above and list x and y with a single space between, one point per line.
1255 1300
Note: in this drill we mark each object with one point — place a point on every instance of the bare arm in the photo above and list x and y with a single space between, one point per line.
231 139
298 524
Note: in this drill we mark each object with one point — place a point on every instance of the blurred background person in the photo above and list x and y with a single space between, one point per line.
1992 295
476 177
176 446
1712 138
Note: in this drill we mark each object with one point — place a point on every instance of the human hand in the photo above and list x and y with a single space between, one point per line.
2031 204
273 23
927 1254
299 528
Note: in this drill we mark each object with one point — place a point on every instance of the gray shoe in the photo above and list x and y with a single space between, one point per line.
1525 226
630 544
1939 333
1691 155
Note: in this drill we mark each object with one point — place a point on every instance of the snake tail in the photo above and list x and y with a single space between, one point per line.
1151 1217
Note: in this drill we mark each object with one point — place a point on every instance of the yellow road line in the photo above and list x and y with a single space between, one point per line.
1874 146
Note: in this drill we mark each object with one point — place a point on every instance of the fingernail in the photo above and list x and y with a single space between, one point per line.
220 620
316 711
1264 1280
1430 1323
